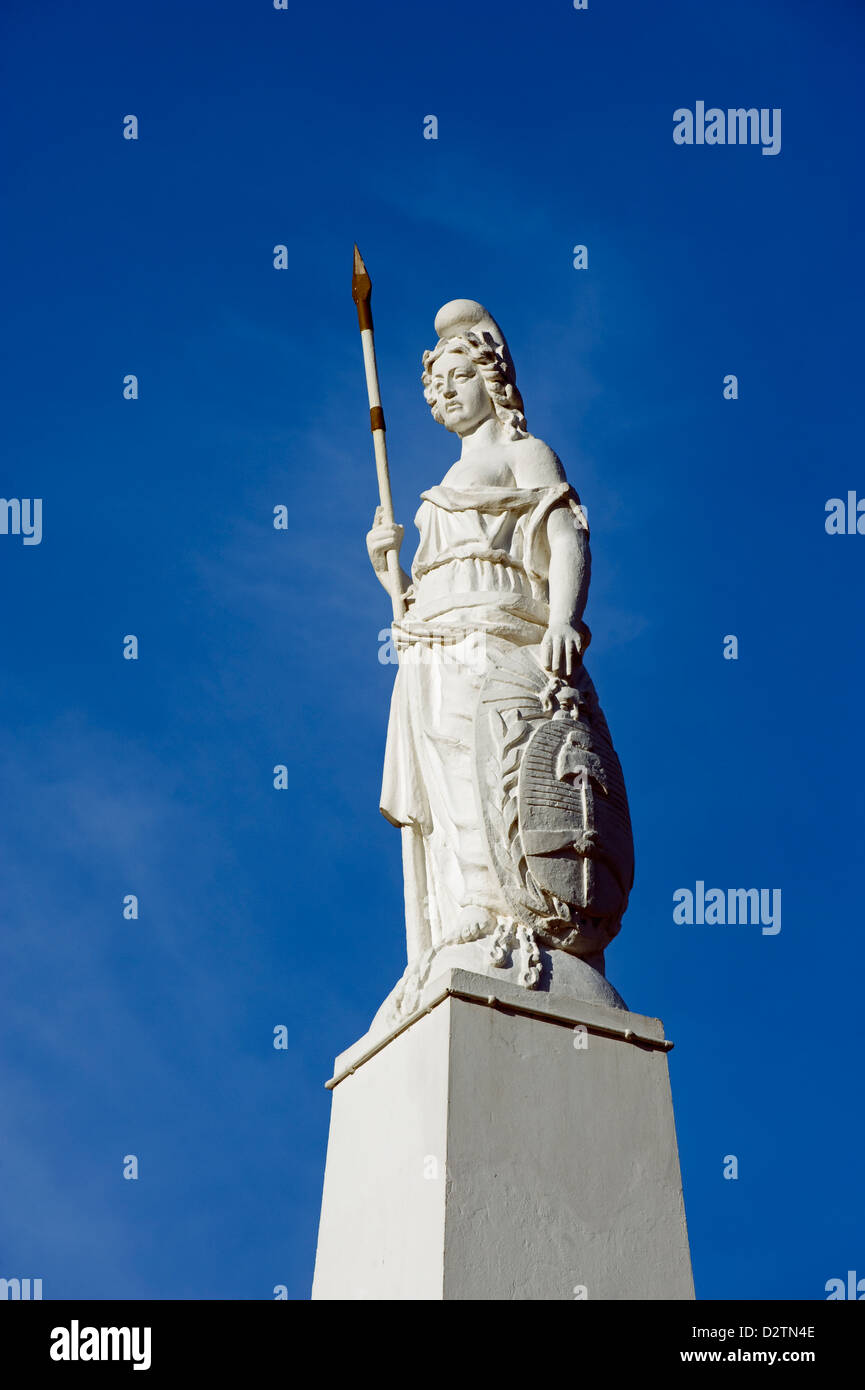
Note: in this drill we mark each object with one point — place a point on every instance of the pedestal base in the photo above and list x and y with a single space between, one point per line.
504 1144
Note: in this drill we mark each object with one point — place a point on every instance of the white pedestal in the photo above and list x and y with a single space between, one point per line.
478 1153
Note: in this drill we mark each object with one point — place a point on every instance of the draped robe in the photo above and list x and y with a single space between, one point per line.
479 584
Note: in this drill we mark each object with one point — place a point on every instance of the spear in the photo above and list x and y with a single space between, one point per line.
361 291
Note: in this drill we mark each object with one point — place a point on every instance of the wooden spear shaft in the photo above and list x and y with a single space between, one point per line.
361 293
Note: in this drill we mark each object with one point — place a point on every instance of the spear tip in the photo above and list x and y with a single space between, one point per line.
361 285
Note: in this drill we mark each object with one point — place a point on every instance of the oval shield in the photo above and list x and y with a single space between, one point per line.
553 804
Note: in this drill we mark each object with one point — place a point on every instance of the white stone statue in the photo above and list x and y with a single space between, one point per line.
499 770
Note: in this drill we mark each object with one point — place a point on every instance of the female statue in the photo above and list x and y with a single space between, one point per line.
498 767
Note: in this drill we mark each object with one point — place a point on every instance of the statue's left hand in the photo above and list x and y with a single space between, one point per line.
561 649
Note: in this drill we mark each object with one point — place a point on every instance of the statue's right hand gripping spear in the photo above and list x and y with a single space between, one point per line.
361 291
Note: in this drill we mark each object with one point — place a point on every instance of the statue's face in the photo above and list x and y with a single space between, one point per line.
461 396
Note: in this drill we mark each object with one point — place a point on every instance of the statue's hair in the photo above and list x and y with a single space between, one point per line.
487 356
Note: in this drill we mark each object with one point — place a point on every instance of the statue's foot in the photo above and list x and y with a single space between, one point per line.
472 924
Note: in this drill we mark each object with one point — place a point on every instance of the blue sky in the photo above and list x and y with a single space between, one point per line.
259 647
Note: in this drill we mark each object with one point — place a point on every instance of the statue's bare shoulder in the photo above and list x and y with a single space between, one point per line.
534 464
522 463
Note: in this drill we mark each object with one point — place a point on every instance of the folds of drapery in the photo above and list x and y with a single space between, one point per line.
479 584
